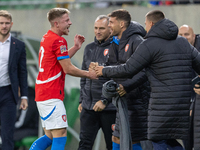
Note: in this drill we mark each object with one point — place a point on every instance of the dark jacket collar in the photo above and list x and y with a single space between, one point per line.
103 43
133 28
164 29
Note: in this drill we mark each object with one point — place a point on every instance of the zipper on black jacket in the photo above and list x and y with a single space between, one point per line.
92 60
116 51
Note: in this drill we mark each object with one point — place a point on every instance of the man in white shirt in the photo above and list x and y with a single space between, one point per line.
13 75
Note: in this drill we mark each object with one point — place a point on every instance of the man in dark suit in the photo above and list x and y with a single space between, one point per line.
13 75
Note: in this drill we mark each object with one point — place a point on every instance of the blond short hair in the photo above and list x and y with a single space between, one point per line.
56 13
6 14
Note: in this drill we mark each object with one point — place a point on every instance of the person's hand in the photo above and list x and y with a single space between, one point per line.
24 104
98 70
121 90
78 41
93 65
80 108
92 74
99 106
197 90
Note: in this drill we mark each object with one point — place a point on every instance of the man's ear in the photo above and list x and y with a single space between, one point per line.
56 24
11 24
151 23
121 24
194 36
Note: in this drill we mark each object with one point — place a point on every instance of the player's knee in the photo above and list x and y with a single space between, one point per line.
59 132
116 139
48 134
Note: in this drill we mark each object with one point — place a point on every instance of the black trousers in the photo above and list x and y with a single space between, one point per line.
7 117
91 122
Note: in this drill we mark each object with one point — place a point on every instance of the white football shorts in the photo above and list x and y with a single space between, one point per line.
53 114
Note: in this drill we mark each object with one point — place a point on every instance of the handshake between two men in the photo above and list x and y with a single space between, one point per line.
94 66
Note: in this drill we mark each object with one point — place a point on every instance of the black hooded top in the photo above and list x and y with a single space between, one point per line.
169 60
137 88
197 106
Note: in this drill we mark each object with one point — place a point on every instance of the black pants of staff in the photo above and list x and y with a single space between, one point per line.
91 122
7 117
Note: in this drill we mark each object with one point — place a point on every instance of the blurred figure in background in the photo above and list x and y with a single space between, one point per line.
187 32
26 124
194 39
161 2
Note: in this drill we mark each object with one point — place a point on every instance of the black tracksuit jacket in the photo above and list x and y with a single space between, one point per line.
137 88
91 90
169 60
197 107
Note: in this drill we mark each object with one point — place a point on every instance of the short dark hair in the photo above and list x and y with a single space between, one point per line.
121 14
6 14
56 13
155 16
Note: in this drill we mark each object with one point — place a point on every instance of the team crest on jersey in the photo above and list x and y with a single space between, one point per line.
63 48
113 127
126 48
105 52
64 117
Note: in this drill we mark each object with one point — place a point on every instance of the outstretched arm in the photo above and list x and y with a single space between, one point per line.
72 70
139 60
137 80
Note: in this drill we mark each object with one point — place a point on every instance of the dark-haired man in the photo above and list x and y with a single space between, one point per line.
169 60
127 35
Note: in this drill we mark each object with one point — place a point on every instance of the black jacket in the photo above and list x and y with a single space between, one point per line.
137 96
197 42
197 107
169 61
91 90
